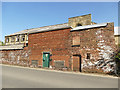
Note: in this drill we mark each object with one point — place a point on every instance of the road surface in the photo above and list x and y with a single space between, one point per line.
19 77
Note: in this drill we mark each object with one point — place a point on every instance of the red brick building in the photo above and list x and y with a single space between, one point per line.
79 45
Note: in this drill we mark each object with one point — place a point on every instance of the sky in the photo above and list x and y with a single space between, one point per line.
17 16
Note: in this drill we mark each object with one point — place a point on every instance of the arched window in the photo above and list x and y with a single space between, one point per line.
78 24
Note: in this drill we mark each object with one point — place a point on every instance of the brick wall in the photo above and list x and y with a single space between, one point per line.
100 43
54 42
61 44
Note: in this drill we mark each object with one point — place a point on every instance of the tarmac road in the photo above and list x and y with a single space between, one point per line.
22 77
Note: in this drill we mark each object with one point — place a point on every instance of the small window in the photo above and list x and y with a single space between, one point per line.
7 40
26 44
23 38
17 38
88 55
27 38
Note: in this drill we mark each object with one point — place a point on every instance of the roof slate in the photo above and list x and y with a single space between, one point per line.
41 29
56 27
12 47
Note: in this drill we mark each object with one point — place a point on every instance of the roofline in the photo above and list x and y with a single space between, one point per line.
15 34
50 30
35 28
45 26
89 26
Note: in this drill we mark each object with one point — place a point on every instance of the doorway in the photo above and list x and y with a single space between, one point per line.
46 59
77 63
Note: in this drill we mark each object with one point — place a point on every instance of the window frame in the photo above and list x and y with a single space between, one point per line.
7 40
17 38
22 36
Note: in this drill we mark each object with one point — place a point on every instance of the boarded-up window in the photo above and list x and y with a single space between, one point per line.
59 64
34 62
76 40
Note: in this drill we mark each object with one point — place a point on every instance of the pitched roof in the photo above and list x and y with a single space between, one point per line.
51 28
61 26
42 29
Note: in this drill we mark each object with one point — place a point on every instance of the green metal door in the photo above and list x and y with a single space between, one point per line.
46 58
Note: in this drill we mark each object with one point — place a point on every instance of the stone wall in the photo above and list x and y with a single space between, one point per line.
15 57
80 20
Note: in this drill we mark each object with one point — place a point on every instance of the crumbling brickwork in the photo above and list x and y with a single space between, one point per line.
79 45
100 44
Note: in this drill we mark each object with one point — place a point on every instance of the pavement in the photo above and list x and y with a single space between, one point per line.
25 77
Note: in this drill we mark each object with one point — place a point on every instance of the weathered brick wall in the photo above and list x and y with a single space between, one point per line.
100 43
55 42
15 57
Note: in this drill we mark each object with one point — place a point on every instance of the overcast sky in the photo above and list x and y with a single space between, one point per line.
25 15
